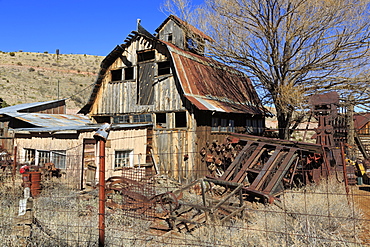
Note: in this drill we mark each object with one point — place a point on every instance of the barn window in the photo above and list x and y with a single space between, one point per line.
29 156
170 37
254 126
180 120
116 75
164 68
223 125
41 157
145 55
59 159
215 124
161 120
129 73
123 158
143 118
121 119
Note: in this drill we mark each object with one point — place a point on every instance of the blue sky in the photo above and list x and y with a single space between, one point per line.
73 26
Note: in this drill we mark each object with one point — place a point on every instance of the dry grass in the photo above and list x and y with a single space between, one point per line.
318 215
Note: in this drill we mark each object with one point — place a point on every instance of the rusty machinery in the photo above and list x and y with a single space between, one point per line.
267 166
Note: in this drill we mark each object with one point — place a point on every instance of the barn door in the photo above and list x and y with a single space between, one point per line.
145 84
88 173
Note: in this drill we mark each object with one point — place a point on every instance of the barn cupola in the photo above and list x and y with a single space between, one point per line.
183 35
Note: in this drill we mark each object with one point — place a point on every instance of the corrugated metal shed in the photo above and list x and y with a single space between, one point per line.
50 120
26 106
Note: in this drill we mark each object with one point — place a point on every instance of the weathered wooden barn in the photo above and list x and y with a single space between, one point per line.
191 99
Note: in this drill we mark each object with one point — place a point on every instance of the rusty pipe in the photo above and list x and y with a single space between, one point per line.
101 192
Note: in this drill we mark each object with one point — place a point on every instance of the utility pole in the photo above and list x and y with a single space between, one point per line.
57 53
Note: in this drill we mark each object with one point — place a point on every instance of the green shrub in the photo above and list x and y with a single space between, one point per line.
12 54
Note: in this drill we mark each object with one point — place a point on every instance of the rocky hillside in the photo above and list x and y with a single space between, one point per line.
32 77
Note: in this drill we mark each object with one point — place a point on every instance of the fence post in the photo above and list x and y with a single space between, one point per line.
101 192
101 135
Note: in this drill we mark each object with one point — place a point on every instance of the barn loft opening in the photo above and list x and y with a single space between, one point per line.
129 73
164 68
116 75
180 119
161 120
146 55
170 37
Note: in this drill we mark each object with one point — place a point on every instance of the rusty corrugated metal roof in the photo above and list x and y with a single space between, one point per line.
213 86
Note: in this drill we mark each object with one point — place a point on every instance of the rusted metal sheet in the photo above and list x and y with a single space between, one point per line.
222 87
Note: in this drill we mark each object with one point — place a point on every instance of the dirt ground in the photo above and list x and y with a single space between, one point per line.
361 196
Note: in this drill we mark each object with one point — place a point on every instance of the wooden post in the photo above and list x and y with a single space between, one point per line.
350 128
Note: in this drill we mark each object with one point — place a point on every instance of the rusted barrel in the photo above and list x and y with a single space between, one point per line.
35 183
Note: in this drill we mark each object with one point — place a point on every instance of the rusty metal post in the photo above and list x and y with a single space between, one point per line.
101 192
101 135
344 168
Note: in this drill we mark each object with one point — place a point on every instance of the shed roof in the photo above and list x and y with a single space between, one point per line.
50 120
26 106
90 127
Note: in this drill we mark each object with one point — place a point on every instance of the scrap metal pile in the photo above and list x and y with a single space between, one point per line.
258 168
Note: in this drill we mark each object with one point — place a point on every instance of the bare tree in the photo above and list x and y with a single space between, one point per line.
290 48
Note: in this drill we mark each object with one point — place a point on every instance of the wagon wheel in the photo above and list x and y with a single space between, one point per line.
168 202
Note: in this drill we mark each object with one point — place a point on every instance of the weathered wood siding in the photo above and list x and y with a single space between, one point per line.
120 97
178 34
174 151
